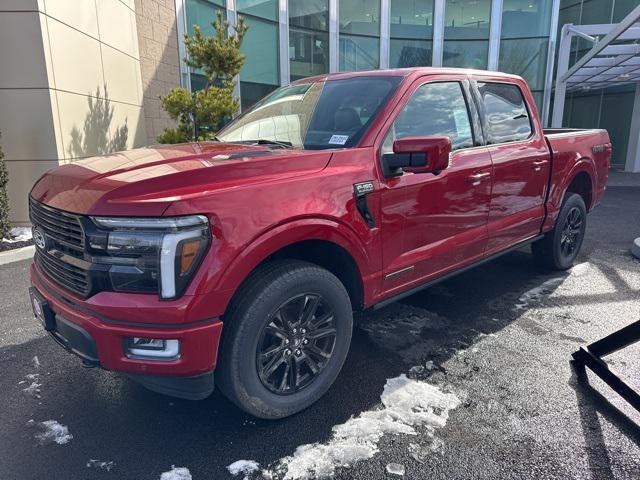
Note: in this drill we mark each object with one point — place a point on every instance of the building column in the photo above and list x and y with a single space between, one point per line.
561 83
385 28
333 35
495 31
283 20
181 27
438 33
633 150
232 18
551 57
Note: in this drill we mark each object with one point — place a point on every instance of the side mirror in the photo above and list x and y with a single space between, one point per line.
417 155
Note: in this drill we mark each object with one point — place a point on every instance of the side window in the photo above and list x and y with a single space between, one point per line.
506 112
434 109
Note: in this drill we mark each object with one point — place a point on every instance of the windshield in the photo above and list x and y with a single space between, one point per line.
326 114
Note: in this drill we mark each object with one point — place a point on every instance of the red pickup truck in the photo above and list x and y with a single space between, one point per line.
247 256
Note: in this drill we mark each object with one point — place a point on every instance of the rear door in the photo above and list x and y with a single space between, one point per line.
521 163
433 223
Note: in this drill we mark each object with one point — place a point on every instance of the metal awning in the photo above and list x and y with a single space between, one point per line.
613 60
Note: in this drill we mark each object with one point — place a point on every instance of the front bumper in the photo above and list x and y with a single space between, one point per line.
100 341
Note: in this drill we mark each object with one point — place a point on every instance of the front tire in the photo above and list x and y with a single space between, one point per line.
286 336
560 247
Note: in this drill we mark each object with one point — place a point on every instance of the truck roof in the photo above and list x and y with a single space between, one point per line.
406 72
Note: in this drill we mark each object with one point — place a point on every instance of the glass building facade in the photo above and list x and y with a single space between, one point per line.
292 39
466 33
308 38
411 33
524 41
359 36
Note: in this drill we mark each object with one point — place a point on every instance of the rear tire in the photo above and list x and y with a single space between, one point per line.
286 336
558 249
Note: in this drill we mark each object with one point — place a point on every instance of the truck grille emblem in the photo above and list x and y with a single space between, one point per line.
39 238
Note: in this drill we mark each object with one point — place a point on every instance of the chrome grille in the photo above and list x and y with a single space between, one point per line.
64 247
63 273
61 227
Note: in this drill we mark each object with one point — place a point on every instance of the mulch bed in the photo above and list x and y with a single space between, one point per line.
5 246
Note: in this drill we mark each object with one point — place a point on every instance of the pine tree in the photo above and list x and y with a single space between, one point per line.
219 59
5 226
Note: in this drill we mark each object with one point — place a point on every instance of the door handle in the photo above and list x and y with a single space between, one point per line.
537 166
477 178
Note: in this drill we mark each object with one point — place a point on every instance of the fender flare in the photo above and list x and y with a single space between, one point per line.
556 195
287 234
585 165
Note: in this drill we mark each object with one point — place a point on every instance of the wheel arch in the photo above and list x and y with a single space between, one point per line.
323 242
582 183
577 179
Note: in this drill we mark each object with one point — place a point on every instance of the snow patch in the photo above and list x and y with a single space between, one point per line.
33 389
406 405
53 432
421 453
106 466
245 467
420 369
580 269
36 362
176 473
19 234
396 469
538 293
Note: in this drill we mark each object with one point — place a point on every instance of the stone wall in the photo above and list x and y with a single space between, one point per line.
69 86
159 60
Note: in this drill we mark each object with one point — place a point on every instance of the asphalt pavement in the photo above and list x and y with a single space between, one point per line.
499 337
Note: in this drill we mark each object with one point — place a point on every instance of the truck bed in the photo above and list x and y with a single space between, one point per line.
556 131
576 150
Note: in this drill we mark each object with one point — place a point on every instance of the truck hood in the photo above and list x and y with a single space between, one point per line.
144 182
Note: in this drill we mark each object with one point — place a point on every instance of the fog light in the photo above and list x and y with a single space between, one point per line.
154 348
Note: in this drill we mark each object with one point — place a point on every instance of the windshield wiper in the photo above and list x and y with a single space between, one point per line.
263 141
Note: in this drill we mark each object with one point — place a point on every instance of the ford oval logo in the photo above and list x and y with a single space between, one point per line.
39 238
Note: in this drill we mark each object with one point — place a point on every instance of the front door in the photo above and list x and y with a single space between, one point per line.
433 223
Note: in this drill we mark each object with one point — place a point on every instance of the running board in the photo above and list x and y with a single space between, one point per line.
449 275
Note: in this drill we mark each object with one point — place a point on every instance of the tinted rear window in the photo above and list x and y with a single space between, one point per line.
506 113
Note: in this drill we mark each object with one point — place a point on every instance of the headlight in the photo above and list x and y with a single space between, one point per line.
150 254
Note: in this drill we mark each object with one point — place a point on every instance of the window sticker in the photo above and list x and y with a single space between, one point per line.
461 119
338 139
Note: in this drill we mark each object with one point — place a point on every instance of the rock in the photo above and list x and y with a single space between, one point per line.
396 469
635 248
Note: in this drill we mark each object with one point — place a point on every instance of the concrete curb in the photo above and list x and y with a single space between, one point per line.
16 255
635 248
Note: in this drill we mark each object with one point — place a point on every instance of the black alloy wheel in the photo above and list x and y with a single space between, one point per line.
559 248
571 232
296 344
285 339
